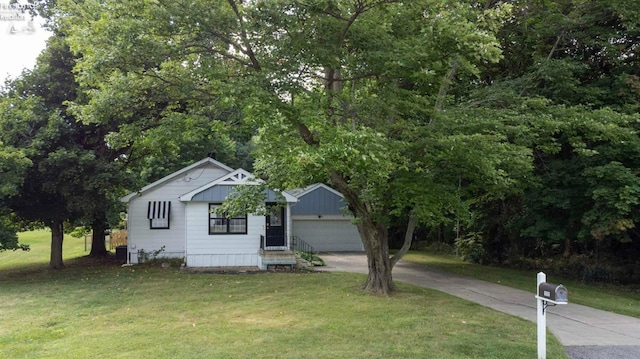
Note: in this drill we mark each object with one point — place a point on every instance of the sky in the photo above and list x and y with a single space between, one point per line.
21 41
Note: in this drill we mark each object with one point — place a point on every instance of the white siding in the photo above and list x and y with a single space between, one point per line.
205 250
140 236
328 234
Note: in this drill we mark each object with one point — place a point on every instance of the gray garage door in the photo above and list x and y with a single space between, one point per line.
328 235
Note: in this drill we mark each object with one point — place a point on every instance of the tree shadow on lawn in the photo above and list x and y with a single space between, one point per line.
87 263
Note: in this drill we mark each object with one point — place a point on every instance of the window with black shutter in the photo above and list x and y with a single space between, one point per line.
158 213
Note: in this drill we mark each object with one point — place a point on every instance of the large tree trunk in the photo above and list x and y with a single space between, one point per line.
98 247
57 235
375 238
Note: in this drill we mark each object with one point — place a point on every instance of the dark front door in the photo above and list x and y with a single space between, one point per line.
275 226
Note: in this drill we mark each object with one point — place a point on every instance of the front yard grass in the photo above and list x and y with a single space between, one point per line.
37 258
109 311
619 300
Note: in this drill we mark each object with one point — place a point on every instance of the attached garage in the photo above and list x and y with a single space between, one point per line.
319 219
328 235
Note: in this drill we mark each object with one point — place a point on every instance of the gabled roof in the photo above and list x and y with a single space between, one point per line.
174 175
318 200
301 192
237 177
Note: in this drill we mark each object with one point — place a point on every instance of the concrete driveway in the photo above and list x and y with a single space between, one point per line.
585 332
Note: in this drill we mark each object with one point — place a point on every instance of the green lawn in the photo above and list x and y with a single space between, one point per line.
38 257
149 312
606 297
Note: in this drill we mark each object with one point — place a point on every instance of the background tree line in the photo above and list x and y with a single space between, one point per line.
567 89
503 129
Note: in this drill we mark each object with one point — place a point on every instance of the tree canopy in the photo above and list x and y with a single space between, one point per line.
512 123
13 165
338 90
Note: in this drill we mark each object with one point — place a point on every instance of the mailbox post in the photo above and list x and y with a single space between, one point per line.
547 294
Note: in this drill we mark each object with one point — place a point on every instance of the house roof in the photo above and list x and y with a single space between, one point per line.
318 199
301 192
237 177
174 175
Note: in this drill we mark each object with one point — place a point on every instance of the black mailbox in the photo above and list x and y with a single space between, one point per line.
556 293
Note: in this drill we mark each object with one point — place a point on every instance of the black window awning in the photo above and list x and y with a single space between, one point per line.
158 209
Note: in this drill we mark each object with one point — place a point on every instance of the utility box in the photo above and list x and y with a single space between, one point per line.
555 293
121 253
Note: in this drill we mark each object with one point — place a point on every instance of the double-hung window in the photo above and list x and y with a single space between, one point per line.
158 213
220 223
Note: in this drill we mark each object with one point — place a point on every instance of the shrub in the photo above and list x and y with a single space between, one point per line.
144 257
471 247
312 258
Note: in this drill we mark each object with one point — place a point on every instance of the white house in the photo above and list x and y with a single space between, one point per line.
176 217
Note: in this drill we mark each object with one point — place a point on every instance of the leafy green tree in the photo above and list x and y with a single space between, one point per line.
570 52
42 136
13 165
589 181
74 175
90 181
338 89
580 198
569 80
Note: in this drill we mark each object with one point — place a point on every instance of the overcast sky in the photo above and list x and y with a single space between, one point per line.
21 41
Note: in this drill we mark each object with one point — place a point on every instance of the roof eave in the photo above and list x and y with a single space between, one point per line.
164 179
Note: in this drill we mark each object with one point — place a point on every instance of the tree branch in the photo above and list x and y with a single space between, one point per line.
408 237
344 79
342 185
246 48
307 135
555 45
444 87
360 7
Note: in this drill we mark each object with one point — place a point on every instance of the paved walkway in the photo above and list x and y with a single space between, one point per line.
585 332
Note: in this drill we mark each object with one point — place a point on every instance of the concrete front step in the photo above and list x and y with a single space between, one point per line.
278 258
